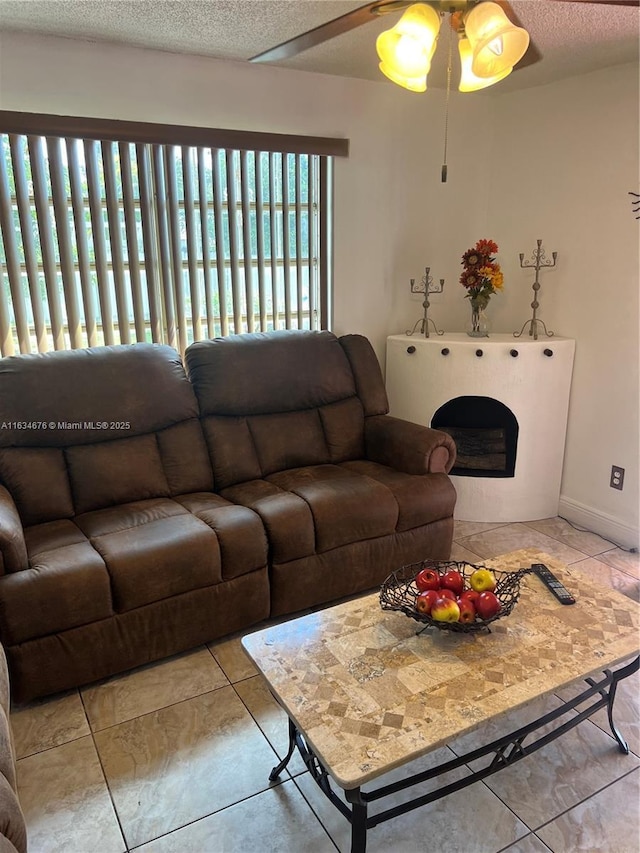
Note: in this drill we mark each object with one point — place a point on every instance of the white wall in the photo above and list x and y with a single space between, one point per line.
555 162
574 147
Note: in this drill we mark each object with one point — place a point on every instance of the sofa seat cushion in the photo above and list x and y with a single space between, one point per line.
152 550
50 536
241 536
317 508
286 517
421 498
66 585
135 514
346 505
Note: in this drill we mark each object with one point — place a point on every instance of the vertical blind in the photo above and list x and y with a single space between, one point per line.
108 240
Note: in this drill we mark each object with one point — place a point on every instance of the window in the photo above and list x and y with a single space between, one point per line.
113 232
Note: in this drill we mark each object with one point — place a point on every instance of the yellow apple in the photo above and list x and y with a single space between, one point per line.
482 581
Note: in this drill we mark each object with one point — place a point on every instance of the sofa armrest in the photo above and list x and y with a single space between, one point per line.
408 447
13 551
13 831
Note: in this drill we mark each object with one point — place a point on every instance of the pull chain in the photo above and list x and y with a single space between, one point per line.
446 109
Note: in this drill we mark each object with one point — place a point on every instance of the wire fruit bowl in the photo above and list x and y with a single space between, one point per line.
399 592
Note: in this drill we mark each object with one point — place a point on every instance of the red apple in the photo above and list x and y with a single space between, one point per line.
467 610
426 600
447 593
482 580
487 605
445 610
470 595
427 579
452 580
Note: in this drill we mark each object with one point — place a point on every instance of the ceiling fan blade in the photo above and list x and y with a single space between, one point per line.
370 11
324 32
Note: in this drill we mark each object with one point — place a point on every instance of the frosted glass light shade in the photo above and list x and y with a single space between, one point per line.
413 84
497 44
468 80
406 50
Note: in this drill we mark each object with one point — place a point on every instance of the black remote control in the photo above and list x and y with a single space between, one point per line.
551 581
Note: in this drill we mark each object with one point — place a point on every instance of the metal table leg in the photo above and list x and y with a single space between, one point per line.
277 770
358 820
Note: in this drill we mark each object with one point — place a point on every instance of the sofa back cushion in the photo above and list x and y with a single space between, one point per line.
90 395
275 401
264 373
185 459
366 373
86 429
115 472
38 482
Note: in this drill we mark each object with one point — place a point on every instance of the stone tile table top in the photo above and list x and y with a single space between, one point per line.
369 693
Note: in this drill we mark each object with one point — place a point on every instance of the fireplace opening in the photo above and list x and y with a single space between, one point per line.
486 435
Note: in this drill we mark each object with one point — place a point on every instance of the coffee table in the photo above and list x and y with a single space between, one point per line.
366 692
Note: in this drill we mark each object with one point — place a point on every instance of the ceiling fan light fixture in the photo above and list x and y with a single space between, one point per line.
413 84
406 50
469 82
496 43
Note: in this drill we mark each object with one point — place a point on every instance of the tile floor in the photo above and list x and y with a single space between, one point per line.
174 757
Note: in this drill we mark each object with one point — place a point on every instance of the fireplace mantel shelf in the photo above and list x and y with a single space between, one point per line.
463 338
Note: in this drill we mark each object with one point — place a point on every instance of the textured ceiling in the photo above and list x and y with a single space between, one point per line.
573 37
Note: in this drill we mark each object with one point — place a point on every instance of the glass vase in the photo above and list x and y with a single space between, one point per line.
478 325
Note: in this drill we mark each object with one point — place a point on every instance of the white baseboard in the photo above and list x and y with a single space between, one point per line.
599 522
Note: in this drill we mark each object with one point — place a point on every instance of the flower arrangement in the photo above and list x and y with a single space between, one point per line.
481 276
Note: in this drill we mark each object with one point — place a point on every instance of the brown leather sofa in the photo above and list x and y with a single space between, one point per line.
13 832
144 512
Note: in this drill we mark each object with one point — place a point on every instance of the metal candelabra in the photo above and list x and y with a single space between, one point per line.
424 286
538 261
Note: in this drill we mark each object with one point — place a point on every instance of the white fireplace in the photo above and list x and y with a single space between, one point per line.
510 395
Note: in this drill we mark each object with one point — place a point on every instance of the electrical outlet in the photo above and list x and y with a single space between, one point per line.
617 477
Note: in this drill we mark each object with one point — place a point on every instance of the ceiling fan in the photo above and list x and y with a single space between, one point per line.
491 39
